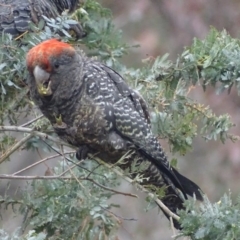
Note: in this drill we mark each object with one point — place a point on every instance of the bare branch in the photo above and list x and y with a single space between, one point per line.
164 208
32 121
60 176
59 152
158 201
117 216
91 180
72 173
35 133
10 176
40 161
56 140
110 189
172 227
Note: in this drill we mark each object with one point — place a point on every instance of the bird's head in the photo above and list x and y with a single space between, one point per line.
46 64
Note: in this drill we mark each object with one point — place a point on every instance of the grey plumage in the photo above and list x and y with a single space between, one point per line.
15 15
100 112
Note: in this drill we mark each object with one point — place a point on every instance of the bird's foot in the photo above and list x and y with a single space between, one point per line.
60 127
82 152
59 123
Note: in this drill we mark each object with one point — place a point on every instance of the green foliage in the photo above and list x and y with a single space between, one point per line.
216 58
210 61
79 205
75 202
175 116
16 235
6 141
103 40
219 221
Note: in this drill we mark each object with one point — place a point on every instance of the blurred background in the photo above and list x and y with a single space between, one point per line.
167 26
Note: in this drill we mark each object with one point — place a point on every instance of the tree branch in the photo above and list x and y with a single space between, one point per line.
151 195
110 189
10 176
56 140
60 176
117 216
35 133
32 121
40 161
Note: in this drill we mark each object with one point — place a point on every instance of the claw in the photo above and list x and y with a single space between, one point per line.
82 152
59 123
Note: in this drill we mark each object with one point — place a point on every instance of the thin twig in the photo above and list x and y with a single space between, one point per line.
60 176
118 217
35 133
31 121
56 140
67 170
72 173
57 151
92 171
164 207
21 35
110 189
15 147
91 180
172 227
158 201
40 161
10 176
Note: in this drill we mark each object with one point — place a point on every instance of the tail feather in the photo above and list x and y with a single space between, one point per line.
189 186
154 176
174 201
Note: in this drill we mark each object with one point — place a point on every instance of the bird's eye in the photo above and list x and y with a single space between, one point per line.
56 65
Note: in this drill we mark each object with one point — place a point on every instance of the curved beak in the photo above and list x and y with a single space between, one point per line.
43 82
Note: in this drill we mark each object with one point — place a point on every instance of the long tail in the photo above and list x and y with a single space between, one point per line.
175 201
189 186
155 177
